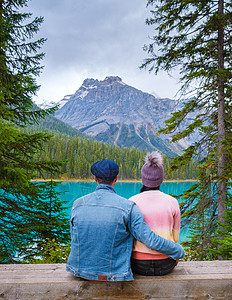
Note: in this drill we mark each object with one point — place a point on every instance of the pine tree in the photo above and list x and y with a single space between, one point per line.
50 226
195 36
222 243
22 215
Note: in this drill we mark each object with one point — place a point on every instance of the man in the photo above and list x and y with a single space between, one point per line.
103 225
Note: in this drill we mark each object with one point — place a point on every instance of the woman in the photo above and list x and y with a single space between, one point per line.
161 212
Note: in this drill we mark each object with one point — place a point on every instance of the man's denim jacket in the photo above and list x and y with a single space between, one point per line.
102 228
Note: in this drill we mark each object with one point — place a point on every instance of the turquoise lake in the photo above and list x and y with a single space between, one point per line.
70 191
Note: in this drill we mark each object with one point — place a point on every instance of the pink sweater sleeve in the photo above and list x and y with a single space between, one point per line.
176 226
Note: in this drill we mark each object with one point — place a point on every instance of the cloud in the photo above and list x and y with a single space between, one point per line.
94 38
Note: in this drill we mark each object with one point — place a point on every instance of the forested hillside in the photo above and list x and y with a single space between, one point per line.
80 153
55 125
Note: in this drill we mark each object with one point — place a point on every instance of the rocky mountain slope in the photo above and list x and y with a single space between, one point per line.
116 113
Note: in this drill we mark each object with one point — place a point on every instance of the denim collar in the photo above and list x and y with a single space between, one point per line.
105 187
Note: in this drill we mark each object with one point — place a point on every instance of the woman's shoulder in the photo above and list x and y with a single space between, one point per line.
168 197
135 198
142 196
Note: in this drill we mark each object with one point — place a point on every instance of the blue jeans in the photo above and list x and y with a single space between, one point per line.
153 267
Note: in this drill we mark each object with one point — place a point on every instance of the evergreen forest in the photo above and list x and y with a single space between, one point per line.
78 154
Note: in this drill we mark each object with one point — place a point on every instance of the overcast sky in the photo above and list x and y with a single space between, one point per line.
95 39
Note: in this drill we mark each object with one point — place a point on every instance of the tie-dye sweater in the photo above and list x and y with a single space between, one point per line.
162 213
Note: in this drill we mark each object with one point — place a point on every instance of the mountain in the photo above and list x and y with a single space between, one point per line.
114 112
47 104
50 123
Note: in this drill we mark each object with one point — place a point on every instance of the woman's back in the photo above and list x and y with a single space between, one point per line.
161 212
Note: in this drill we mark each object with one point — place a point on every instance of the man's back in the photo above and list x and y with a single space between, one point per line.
100 236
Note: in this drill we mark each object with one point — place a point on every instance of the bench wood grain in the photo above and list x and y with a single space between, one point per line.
189 280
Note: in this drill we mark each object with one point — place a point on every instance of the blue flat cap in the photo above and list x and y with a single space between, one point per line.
105 169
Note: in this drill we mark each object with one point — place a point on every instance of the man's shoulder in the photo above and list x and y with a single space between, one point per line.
114 198
119 200
83 199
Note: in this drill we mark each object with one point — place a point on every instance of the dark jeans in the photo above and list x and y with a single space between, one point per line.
153 267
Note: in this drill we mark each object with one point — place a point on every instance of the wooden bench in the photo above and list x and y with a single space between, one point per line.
189 280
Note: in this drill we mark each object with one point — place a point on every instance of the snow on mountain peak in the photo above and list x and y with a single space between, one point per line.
46 104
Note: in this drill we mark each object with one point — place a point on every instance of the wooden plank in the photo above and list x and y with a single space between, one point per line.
30 279
57 272
189 280
183 268
199 290
192 264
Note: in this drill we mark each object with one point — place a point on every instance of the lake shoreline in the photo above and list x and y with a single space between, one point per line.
119 180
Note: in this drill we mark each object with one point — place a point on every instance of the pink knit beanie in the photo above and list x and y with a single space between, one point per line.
153 171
